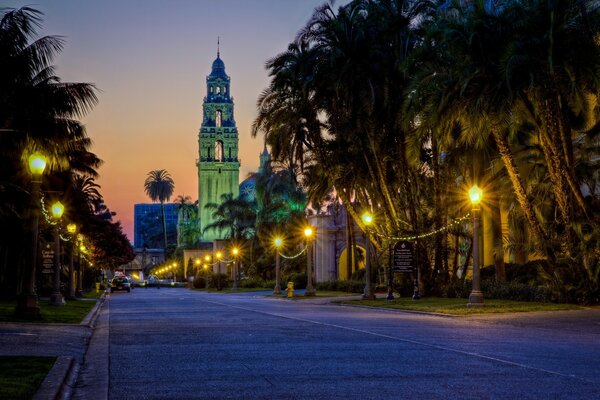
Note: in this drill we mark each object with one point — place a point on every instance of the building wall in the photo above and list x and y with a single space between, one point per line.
149 216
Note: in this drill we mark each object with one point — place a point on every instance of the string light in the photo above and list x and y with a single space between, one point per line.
294 256
428 234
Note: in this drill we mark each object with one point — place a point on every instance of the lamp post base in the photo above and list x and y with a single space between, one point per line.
475 299
368 296
277 290
28 307
310 291
56 299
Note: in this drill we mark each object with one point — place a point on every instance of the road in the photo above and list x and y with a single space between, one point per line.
182 344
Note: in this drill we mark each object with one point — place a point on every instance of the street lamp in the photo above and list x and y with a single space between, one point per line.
476 296
56 298
206 275
82 250
278 242
28 304
235 251
308 234
72 228
367 219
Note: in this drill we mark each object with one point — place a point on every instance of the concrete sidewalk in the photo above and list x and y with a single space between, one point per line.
67 342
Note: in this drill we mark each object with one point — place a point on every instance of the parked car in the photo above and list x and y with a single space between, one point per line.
120 283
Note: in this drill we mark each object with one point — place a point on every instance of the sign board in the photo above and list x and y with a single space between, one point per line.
403 257
47 259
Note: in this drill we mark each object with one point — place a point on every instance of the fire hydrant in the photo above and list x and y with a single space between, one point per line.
290 289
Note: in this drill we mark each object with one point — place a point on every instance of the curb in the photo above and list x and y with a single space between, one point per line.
56 382
90 319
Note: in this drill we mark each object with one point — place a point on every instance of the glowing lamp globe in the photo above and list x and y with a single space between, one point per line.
219 255
278 242
235 251
37 163
57 210
475 195
308 232
367 218
71 228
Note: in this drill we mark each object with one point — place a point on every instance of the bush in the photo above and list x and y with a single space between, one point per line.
299 279
342 286
199 282
251 283
218 281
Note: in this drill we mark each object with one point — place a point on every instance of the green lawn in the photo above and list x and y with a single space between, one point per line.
20 377
72 313
320 293
459 306
92 294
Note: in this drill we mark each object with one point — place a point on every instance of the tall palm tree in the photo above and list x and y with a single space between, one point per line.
235 216
37 112
159 186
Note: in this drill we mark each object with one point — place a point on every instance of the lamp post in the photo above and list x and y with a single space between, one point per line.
82 250
28 304
219 256
56 298
207 261
72 228
235 251
277 242
476 296
310 290
367 219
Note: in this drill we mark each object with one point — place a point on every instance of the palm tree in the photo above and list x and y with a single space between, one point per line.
37 112
235 216
159 187
187 222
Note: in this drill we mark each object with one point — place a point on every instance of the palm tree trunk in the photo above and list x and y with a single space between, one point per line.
521 195
496 230
164 220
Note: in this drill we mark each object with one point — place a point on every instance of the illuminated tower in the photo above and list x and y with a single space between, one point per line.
218 163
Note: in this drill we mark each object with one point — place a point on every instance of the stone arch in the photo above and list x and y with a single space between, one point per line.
358 264
218 150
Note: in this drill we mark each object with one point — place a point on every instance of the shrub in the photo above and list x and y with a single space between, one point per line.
251 283
218 281
199 282
299 279
342 286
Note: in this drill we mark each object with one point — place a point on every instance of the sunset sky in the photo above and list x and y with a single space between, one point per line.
149 60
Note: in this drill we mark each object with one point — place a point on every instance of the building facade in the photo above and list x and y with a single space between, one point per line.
218 163
148 228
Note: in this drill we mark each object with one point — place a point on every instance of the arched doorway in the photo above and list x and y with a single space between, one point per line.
359 262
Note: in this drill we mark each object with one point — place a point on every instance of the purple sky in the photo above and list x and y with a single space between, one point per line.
150 59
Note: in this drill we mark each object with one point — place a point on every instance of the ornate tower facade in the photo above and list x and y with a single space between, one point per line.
218 163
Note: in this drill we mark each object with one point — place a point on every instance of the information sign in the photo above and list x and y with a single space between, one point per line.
402 257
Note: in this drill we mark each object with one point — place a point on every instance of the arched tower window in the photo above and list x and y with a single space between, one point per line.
218 90
218 118
224 89
230 152
218 150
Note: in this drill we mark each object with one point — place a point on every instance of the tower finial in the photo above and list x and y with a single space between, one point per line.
218 52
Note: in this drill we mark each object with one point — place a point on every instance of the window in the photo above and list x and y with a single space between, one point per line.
218 90
208 152
230 152
224 89
218 119
218 151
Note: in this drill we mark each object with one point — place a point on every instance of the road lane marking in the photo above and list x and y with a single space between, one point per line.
395 338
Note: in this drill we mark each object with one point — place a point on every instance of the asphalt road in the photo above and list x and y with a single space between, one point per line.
181 344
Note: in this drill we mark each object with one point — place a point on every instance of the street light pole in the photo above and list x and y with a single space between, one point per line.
72 228
476 296
235 253
367 219
56 298
27 304
310 290
278 242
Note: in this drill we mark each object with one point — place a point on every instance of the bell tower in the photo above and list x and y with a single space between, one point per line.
218 163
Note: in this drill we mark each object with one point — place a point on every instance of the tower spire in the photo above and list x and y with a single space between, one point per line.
218 52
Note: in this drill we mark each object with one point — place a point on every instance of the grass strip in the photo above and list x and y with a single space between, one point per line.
20 377
319 293
459 306
73 312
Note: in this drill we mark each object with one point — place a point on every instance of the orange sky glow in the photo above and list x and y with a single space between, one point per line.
149 61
